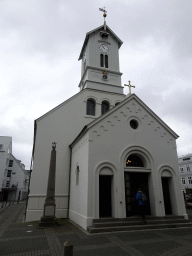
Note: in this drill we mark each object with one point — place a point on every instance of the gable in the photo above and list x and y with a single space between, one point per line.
132 108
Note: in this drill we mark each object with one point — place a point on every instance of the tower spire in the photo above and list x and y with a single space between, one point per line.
104 15
104 33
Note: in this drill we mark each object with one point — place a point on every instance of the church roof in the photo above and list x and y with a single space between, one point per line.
132 96
94 30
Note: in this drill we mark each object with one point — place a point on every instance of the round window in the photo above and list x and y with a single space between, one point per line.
134 124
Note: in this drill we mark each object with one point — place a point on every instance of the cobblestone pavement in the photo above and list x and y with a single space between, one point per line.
24 239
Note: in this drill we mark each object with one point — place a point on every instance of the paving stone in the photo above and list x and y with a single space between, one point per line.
157 248
22 232
16 241
76 241
136 236
178 232
24 245
114 251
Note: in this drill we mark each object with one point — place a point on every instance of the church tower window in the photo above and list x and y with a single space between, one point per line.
101 60
134 161
90 107
104 107
104 60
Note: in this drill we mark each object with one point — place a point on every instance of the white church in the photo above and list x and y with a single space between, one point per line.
108 145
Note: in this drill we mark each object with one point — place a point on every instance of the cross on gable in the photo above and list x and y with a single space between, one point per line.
129 85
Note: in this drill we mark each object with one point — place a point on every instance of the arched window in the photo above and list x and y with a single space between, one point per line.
104 107
134 161
90 107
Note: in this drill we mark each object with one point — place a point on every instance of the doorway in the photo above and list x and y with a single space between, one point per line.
5 195
105 206
133 181
166 195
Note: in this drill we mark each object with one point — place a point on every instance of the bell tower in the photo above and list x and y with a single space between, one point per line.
100 60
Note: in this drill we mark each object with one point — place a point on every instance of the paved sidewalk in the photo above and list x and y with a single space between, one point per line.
24 239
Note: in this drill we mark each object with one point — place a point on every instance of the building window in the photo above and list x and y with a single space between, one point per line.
91 107
106 61
134 161
185 159
7 184
188 167
10 163
104 107
134 124
181 169
9 173
190 180
183 181
103 60
77 175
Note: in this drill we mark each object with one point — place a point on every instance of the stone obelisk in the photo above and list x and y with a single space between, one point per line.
48 218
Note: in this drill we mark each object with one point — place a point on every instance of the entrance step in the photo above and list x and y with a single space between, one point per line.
135 223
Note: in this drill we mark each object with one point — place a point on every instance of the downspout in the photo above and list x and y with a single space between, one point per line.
35 128
69 181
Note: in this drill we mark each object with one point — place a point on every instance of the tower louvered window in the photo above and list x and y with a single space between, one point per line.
104 61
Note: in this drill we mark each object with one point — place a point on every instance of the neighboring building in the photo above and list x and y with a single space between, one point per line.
185 167
14 179
108 145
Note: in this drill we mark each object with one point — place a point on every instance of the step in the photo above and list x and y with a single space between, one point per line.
138 222
136 218
138 227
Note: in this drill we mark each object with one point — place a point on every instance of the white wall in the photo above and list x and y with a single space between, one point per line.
112 140
18 178
61 125
79 185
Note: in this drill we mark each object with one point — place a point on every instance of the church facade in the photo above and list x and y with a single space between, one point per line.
108 145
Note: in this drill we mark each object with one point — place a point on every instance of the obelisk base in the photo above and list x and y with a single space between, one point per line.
48 219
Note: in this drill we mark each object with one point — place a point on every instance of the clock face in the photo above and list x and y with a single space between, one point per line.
104 48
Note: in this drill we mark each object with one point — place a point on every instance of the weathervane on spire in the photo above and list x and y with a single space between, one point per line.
104 33
103 10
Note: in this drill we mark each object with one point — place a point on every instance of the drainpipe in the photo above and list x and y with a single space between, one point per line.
35 128
69 181
28 190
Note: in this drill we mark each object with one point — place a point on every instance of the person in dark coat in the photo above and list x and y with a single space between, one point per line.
141 204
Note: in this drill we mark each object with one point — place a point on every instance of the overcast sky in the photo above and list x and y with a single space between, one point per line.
40 42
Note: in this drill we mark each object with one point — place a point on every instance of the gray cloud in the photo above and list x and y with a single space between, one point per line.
40 43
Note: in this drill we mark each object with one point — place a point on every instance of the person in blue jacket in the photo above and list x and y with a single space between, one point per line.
141 204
